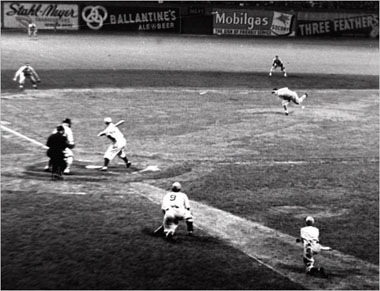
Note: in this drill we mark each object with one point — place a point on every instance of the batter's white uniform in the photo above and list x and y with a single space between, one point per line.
287 96
177 207
118 142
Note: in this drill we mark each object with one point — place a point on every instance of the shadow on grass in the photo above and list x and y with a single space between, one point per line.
85 78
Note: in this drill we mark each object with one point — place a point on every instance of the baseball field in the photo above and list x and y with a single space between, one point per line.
197 110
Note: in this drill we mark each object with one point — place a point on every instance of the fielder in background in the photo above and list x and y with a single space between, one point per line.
277 63
309 236
57 144
69 155
27 72
117 148
32 30
176 207
288 96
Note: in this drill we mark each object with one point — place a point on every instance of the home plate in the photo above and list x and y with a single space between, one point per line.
93 167
150 169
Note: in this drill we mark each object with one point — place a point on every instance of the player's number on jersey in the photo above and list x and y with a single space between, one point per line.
173 197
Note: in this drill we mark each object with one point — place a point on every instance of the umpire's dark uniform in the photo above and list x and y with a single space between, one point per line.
57 144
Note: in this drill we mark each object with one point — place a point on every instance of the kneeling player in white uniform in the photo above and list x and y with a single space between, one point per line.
176 207
309 236
117 148
288 96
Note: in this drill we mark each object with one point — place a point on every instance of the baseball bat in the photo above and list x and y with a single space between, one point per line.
116 124
119 122
159 230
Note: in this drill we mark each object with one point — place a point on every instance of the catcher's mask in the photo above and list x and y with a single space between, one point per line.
60 129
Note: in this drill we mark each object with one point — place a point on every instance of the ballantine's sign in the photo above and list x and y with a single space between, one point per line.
156 16
44 15
131 18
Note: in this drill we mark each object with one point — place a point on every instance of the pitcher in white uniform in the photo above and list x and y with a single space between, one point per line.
288 96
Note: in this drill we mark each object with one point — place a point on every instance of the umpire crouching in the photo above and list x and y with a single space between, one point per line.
57 143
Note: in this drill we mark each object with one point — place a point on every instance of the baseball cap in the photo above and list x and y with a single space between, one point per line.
176 186
309 218
107 120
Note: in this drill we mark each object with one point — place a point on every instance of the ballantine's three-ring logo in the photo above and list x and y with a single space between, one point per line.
94 16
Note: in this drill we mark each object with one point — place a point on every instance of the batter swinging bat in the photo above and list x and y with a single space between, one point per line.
116 124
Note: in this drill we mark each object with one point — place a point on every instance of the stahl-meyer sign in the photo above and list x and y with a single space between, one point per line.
251 22
102 17
44 15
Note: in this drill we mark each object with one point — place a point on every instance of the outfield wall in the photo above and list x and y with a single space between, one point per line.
186 18
338 24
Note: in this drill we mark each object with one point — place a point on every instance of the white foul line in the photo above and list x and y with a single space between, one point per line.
23 136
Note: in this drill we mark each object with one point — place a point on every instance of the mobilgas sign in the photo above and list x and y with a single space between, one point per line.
44 15
101 17
251 22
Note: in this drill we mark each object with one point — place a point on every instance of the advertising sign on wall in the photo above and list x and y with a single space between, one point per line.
101 17
251 22
44 15
338 24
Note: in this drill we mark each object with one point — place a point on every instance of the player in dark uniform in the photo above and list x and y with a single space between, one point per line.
24 72
277 63
57 143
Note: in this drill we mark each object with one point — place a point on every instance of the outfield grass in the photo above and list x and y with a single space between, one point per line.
231 147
